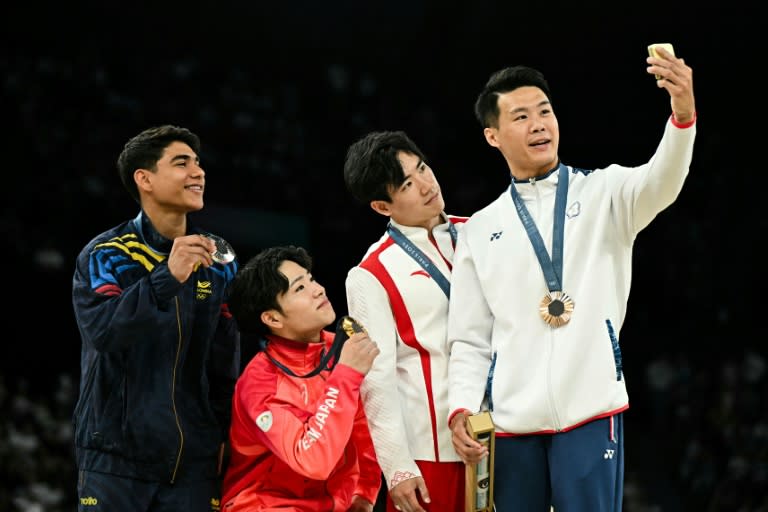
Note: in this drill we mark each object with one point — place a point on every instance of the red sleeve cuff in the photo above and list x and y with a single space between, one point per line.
684 125
457 411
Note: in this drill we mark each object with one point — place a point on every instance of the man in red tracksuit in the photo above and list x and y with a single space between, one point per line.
299 437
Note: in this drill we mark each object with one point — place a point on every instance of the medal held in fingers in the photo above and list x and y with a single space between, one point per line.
224 253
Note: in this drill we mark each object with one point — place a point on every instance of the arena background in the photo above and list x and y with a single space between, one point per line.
278 90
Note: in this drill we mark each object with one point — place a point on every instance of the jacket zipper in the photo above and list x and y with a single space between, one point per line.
552 407
173 393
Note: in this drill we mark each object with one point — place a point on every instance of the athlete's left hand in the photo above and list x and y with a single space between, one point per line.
677 79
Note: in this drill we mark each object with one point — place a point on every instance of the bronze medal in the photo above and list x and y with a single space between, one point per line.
556 308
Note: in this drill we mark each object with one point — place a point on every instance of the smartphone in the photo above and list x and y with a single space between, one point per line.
652 51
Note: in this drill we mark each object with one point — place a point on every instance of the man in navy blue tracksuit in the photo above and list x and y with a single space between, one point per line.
160 351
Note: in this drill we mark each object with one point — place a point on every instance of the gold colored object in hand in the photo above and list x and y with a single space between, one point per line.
479 477
351 326
556 308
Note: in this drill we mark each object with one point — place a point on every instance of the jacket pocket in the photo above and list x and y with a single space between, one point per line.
616 350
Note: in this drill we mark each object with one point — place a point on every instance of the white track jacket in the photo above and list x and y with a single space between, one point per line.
546 379
405 312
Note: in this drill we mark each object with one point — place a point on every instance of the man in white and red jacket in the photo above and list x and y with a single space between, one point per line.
299 437
399 292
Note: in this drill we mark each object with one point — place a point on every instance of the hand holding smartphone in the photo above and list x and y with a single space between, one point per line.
652 52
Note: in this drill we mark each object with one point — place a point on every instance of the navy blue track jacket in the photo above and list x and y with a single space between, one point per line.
159 359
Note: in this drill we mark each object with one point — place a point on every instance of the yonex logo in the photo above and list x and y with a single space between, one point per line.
608 454
496 236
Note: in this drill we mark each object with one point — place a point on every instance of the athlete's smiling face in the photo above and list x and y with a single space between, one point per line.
527 132
177 184
304 308
418 201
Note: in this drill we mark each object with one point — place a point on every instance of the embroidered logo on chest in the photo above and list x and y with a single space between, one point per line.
574 210
203 290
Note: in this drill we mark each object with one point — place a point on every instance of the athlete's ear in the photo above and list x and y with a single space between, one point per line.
491 136
272 319
382 207
143 179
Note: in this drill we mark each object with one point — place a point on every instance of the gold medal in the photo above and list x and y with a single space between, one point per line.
351 326
556 308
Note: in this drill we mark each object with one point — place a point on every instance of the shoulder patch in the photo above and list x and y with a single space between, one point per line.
264 421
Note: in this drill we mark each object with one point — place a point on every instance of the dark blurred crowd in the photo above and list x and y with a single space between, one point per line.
36 452
274 137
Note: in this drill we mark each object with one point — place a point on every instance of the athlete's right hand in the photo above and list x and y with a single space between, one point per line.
188 253
470 450
404 495
358 352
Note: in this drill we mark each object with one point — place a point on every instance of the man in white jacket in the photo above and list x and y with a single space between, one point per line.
399 292
540 286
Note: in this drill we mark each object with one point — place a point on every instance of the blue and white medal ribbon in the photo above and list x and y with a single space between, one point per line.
556 307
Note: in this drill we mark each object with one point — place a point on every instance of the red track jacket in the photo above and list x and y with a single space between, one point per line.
295 442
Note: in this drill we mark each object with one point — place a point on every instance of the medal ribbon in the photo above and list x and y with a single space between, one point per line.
421 258
552 268
328 359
